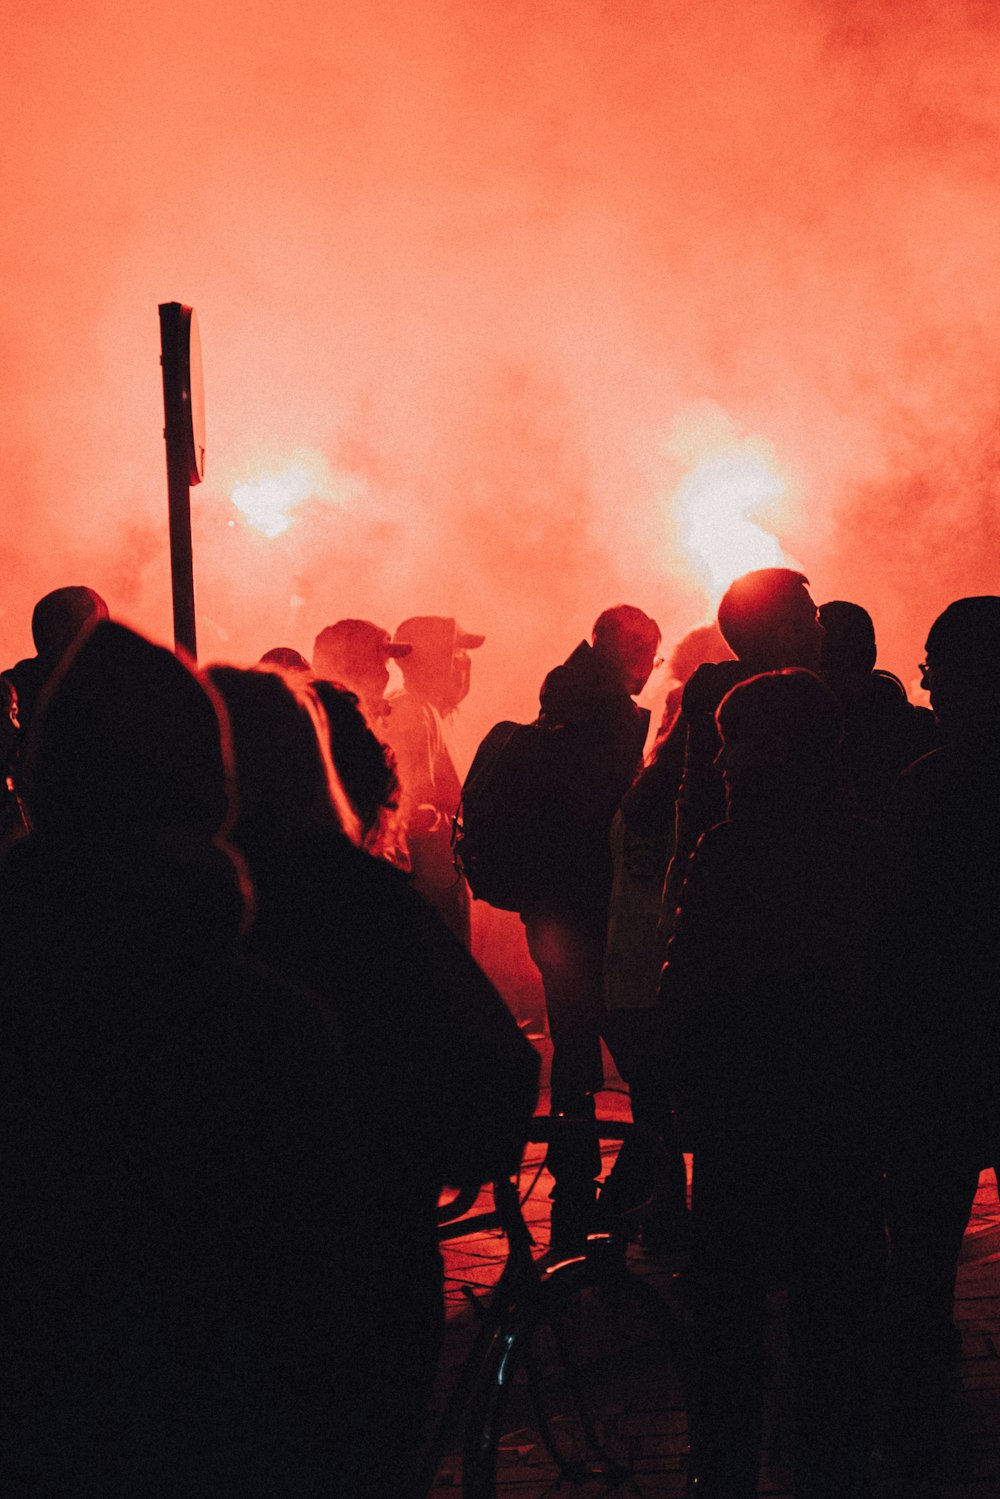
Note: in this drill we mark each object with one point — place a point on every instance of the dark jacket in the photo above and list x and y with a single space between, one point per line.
174 1148
883 734
446 1079
772 999
598 734
943 824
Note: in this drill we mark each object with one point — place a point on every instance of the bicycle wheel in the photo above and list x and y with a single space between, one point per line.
588 1390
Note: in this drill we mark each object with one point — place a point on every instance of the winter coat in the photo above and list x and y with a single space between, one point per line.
598 738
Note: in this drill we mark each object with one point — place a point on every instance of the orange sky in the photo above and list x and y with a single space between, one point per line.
500 275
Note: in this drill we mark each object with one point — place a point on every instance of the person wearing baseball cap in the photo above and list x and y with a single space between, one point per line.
437 674
354 652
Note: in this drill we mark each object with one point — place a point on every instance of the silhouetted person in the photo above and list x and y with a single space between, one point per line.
354 652
770 622
57 621
179 1221
641 844
446 1079
883 731
944 826
437 674
286 658
773 1024
597 737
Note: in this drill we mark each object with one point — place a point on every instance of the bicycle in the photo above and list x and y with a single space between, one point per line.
573 1357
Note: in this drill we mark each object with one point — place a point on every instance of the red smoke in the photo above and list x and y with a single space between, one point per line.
481 265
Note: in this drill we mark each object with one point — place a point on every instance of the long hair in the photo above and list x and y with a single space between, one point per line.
285 776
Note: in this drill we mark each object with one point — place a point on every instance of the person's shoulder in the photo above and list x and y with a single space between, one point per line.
407 714
276 1009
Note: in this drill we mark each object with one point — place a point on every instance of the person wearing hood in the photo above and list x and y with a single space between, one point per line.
178 1227
597 734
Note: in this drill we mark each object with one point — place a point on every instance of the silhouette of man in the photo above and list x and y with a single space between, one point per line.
944 825
354 652
883 731
597 738
57 621
770 622
772 1019
437 673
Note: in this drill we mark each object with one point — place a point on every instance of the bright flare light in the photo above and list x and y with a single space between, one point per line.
268 500
715 505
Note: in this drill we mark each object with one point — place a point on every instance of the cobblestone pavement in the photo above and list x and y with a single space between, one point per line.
658 1436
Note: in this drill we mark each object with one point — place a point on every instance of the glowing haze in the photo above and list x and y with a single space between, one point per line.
510 311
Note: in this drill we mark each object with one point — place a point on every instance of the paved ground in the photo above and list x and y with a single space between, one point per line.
472 1264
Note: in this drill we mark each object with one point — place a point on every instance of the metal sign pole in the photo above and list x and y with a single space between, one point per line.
184 433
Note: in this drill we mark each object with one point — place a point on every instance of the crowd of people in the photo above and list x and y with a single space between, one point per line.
246 1044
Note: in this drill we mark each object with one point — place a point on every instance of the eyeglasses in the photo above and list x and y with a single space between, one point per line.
925 672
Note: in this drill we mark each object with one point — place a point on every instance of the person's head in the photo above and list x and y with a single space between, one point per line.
962 668
698 646
625 641
438 666
848 652
769 619
126 736
780 734
285 777
60 618
356 652
286 658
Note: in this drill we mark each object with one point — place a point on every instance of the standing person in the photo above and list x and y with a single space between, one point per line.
179 1232
770 621
446 1078
943 822
883 731
57 621
354 652
641 845
437 674
596 735
774 1025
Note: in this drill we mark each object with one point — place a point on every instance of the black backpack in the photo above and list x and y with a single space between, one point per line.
499 834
